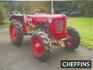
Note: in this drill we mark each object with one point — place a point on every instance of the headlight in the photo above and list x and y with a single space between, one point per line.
50 20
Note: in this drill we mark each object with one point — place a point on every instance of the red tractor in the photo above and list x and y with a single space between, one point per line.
46 31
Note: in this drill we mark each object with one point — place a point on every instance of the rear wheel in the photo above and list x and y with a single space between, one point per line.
16 32
40 45
73 40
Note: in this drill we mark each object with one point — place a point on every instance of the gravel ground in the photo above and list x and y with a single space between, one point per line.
21 58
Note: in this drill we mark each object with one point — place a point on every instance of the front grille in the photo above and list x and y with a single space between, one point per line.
59 25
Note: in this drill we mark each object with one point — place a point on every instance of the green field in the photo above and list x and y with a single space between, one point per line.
85 28
84 25
6 22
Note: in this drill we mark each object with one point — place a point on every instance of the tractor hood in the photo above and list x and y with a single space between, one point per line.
48 15
36 18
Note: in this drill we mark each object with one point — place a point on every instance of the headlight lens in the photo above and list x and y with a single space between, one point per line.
50 20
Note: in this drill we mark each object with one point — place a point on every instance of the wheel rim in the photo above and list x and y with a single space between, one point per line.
12 32
70 41
38 46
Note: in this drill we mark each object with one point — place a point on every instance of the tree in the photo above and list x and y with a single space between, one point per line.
87 8
2 13
33 5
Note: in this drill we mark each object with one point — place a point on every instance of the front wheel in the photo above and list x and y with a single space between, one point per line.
73 40
40 45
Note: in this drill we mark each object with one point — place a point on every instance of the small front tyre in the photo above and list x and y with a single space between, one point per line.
73 40
40 45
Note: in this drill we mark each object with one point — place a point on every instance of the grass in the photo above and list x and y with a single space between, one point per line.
84 25
6 25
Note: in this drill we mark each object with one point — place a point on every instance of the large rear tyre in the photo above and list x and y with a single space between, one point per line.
40 45
16 32
73 40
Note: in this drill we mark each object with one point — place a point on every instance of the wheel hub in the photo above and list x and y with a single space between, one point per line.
37 45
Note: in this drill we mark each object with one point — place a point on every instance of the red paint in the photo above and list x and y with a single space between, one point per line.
12 32
38 18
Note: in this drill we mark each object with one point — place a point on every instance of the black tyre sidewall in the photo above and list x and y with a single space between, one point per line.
72 31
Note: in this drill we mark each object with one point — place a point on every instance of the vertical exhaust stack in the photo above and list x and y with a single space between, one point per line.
52 7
